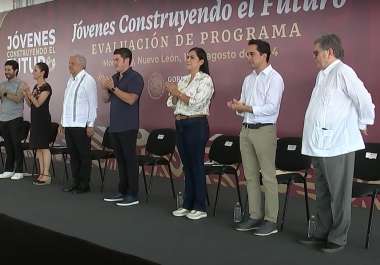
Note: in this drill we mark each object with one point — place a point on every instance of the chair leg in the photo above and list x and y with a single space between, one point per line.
306 200
217 193
370 219
26 167
101 171
238 189
34 163
2 159
207 197
150 183
144 178
64 157
104 175
52 166
285 205
171 181
246 208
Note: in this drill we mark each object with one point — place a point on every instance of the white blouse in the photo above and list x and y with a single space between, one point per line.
200 91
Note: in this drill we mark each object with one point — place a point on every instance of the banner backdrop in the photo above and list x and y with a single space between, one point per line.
160 33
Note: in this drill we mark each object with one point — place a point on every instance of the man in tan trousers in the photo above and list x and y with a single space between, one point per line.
259 104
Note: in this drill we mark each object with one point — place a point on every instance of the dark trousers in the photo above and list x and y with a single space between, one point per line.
192 136
79 148
11 132
124 147
333 185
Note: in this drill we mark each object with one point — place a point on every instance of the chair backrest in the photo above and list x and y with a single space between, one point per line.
225 149
367 163
161 142
25 130
288 155
53 132
106 142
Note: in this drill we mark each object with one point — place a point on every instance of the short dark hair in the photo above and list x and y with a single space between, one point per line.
43 67
262 47
124 53
332 41
14 65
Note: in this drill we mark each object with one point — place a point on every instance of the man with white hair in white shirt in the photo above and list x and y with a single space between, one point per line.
78 118
339 111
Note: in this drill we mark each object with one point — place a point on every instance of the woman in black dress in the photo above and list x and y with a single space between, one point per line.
38 101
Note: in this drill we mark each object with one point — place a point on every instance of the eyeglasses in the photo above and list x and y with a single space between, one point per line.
317 52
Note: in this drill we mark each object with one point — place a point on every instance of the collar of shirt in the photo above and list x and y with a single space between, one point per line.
331 66
124 74
79 75
266 71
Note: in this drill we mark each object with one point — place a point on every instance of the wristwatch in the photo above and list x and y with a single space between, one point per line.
112 89
5 94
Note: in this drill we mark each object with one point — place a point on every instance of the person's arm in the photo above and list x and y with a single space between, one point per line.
242 97
355 89
106 96
172 101
202 96
92 95
27 100
272 100
16 98
135 87
41 99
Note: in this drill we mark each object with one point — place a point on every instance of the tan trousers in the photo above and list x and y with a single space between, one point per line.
258 151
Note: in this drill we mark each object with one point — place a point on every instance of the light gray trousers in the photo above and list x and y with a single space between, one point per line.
333 184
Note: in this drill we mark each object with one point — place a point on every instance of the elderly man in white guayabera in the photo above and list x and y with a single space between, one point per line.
77 123
339 111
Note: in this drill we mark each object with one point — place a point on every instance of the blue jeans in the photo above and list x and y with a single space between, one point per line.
192 136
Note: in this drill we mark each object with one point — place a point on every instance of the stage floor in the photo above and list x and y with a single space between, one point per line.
149 231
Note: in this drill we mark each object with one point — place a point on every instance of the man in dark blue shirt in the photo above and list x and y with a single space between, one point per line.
123 90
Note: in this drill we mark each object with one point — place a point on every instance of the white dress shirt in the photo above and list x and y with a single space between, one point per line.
262 92
80 102
200 91
340 105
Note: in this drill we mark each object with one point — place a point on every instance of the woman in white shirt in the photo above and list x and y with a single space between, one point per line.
191 99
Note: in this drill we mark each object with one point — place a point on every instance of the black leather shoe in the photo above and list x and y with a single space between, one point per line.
81 190
70 189
331 248
312 241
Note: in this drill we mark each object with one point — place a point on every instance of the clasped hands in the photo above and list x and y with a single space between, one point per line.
173 89
107 82
236 105
25 89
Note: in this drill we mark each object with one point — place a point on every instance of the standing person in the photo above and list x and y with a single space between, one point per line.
11 121
339 109
38 100
259 104
191 99
80 104
123 90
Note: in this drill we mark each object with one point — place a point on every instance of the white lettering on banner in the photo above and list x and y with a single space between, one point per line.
31 40
94 30
179 19
30 48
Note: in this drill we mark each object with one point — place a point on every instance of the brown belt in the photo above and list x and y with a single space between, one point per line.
183 117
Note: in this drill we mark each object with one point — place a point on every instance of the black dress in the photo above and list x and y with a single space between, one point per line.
40 120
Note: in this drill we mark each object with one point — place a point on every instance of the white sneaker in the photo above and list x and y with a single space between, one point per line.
195 215
180 212
6 175
17 176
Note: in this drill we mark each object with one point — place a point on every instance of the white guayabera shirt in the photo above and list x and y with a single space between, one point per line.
200 91
340 105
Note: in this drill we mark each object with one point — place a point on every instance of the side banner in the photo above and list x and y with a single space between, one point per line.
160 33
